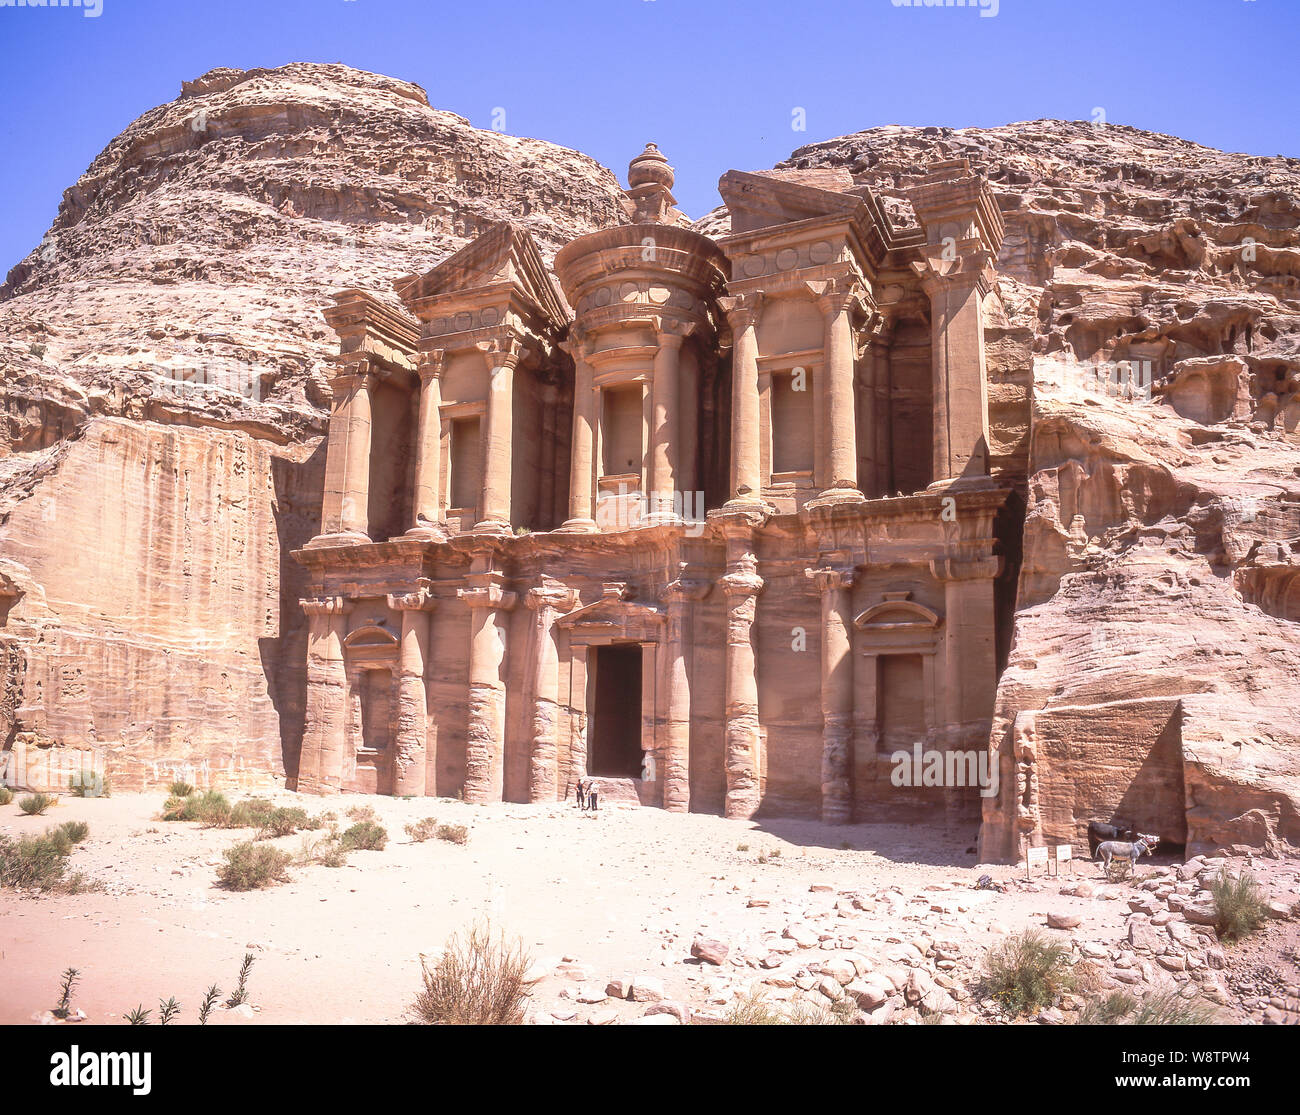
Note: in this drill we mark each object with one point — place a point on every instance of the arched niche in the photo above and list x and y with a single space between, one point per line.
901 639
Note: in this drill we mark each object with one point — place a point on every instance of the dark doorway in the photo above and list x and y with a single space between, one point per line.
615 750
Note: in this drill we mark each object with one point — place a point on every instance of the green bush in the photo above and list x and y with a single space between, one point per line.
34 805
364 836
252 866
6 795
1239 904
453 834
479 980
1027 972
422 830
180 789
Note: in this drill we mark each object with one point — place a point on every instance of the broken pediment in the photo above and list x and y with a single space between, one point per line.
757 201
504 255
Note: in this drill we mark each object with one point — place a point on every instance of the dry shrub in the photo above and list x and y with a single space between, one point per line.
422 830
478 981
6 795
252 866
755 1009
453 834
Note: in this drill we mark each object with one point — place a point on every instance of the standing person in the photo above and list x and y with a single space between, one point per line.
593 797
582 795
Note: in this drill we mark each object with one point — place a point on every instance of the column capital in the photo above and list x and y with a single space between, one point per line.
960 264
685 590
485 590
742 582
421 600
742 310
832 578
353 369
432 363
966 569
325 605
550 594
834 296
502 352
671 332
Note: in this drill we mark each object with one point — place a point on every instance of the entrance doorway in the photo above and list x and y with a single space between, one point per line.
615 747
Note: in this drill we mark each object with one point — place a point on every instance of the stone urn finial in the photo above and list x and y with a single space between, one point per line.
650 168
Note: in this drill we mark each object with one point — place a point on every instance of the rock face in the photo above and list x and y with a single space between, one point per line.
1156 651
162 401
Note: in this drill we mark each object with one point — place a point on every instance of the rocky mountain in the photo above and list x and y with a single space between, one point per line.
163 400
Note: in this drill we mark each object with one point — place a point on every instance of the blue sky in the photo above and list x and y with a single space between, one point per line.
714 83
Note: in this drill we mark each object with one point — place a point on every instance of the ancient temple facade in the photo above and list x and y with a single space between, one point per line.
708 520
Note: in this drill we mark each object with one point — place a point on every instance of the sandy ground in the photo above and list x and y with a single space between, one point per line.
623 893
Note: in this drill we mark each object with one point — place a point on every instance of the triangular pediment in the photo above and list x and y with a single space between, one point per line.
612 610
756 201
504 254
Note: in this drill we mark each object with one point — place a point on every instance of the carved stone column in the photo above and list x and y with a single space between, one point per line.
664 422
548 599
428 450
746 480
882 387
835 586
410 762
837 304
675 771
498 435
582 477
320 762
345 513
970 657
485 737
741 586
957 288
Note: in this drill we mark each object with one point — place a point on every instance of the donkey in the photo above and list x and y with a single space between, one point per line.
1118 849
1099 831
